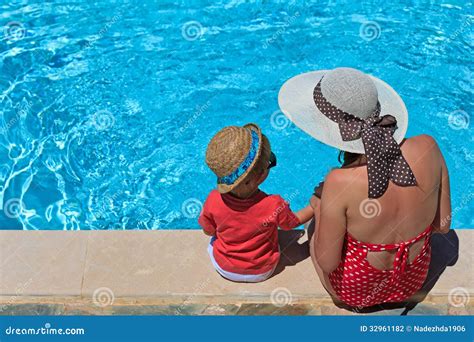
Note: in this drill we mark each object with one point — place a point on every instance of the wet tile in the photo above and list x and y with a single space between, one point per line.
32 310
221 309
315 310
332 310
270 309
458 311
429 309
173 310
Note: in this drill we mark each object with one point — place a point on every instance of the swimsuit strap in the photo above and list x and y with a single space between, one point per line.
394 284
401 257
379 247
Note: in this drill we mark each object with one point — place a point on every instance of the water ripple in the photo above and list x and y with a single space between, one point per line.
106 110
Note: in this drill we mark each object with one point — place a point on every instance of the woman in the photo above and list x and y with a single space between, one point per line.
377 212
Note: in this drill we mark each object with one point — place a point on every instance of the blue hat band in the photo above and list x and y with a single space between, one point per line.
243 167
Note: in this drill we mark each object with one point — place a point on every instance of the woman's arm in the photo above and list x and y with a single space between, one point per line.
442 220
330 218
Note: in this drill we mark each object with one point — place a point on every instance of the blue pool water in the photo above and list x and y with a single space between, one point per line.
107 107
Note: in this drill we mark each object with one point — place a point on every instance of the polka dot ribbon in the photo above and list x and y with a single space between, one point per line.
385 161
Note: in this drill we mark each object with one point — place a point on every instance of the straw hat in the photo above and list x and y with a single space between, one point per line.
349 90
232 154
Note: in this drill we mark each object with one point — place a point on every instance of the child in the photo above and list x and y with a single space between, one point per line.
242 220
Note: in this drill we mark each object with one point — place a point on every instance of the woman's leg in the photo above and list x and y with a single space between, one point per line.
323 277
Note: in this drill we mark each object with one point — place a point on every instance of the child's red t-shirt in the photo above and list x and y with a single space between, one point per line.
246 230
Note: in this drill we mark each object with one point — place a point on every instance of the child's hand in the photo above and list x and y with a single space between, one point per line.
305 214
314 202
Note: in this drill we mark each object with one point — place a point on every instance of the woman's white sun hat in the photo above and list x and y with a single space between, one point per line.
354 112
349 90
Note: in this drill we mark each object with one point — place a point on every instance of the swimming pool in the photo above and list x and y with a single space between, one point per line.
107 108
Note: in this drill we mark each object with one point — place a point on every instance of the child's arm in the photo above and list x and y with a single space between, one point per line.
206 220
308 212
208 225
288 219
305 214
208 233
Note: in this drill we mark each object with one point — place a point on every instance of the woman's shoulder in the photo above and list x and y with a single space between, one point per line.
341 176
423 144
423 139
342 184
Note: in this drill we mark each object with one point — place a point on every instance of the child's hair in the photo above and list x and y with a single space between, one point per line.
261 165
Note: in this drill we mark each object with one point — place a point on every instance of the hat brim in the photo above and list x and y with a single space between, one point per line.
296 102
225 188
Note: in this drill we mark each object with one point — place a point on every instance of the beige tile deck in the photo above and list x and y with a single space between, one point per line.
41 263
168 272
177 263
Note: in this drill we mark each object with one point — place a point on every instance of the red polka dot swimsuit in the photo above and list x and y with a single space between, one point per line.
359 284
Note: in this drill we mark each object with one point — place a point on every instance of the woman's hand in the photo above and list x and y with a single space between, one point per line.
318 190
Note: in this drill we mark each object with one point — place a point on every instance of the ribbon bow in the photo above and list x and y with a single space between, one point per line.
385 161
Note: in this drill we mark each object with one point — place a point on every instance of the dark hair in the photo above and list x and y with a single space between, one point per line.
347 158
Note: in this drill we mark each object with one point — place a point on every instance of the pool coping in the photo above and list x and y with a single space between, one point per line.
168 272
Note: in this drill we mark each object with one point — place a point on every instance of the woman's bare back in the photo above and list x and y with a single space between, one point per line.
402 212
